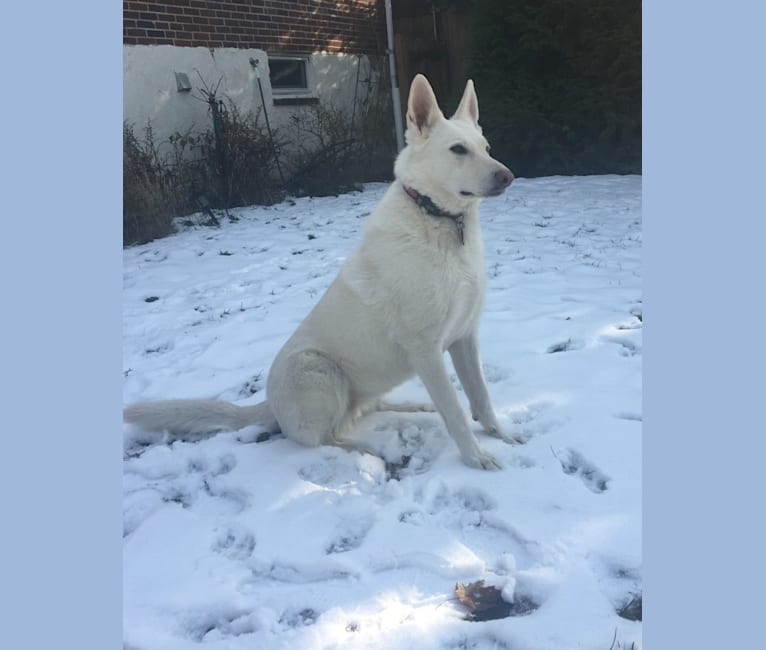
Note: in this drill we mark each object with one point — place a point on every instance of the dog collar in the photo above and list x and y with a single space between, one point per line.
434 210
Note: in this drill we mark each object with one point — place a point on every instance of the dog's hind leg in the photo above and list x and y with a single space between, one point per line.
376 406
311 398
404 407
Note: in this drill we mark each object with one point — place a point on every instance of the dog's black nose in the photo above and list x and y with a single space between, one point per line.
503 177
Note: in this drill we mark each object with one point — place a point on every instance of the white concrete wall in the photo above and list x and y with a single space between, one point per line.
150 93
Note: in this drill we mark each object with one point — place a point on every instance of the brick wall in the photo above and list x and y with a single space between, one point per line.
299 26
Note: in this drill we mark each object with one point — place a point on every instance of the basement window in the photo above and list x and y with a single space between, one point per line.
288 75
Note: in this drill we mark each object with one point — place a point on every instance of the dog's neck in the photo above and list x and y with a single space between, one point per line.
427 204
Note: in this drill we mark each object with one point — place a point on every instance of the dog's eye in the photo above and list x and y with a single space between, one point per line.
459 149
487 148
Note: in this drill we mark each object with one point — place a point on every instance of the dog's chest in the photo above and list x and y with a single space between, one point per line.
464 282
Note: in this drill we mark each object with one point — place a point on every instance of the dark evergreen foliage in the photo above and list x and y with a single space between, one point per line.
559 84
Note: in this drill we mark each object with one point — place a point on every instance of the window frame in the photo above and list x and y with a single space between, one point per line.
287 91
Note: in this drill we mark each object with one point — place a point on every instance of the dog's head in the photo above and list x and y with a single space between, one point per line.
448 159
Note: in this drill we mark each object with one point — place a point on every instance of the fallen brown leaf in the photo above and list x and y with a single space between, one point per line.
483 603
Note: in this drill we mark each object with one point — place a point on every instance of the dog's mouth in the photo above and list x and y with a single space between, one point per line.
494 192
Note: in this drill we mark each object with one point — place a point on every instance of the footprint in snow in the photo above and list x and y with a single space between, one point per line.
627 347
154 256
218 623
566 346
252 386
234 543
408 448
349 535
412 517
477 643
625 334
138 506
467 499
233 500
346 469
521 461
160 348
296 573
494 374
223 465
632 325
293 618
622 586
533 419
327 473
190 491
176 493
574 463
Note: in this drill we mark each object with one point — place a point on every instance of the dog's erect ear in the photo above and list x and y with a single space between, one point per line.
469 105
422 110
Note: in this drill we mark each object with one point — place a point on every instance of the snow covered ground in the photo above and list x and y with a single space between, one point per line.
237 542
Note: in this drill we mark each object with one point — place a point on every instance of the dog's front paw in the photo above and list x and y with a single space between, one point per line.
481 459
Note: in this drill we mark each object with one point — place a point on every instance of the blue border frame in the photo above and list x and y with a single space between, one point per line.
703 276
61 275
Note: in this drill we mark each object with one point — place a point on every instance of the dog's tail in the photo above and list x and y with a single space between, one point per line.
185 418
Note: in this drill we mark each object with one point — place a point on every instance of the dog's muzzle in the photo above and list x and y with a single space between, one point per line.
501 179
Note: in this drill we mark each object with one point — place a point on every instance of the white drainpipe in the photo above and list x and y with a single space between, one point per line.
395 98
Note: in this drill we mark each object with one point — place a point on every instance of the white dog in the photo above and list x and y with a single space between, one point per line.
412 289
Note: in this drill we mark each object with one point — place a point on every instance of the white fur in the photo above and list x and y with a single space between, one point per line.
408 293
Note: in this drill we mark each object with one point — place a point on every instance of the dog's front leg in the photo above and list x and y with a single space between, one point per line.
465 358
432 371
